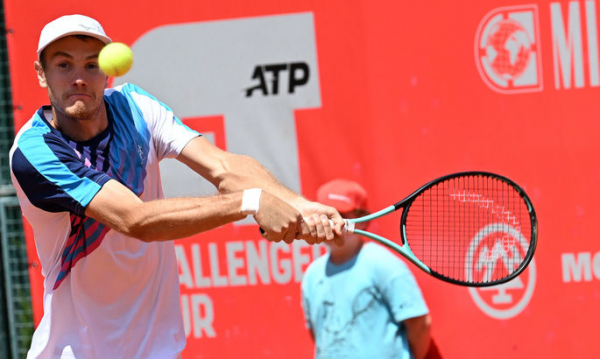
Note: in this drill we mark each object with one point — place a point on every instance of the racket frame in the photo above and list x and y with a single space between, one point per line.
404 248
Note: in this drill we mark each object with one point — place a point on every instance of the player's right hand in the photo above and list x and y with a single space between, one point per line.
278 220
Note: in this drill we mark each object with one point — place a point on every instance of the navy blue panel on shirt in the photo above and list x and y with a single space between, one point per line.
53 175
41 192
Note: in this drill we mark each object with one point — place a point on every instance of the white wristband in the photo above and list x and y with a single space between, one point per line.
251 200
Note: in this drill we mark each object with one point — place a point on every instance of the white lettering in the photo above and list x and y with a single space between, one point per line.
596 264
217 279
185 275
257 262
201 315
246 263
567 47
300 259
285 274
201 281
574 269
592 41
234 263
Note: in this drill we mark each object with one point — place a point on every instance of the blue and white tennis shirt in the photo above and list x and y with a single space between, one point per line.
106 295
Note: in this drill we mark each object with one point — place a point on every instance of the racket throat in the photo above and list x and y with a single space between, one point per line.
348 226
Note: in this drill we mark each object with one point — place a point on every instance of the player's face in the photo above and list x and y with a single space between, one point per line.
72 77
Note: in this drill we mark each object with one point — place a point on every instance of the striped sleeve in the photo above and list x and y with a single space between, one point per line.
52 175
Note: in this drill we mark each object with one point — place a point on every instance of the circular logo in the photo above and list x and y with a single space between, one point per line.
505 300
508 49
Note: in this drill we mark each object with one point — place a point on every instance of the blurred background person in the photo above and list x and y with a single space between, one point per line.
360 300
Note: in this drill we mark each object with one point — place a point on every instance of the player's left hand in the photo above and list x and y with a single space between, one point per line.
321 223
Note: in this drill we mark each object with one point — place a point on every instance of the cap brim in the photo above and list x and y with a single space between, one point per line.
104 39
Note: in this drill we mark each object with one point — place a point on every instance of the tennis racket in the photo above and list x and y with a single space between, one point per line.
474 229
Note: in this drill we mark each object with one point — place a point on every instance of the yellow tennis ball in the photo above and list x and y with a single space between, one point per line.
115 59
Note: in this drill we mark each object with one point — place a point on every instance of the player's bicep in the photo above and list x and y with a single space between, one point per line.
115 206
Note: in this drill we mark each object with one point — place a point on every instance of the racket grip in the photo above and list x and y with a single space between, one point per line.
348 227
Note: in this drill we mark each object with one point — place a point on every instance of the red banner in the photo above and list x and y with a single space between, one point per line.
391 95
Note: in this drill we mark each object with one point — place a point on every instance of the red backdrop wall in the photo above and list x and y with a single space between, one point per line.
402 92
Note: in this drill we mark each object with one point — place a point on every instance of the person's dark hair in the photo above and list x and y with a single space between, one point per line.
360 212
80 37
357 213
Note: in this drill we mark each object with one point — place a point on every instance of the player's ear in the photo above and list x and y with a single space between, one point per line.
41 75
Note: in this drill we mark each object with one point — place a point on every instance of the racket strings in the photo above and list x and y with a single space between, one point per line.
473 229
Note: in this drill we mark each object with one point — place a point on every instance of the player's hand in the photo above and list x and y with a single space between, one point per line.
324 223
278 220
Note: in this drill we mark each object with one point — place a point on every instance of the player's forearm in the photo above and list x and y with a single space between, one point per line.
164 219
176 218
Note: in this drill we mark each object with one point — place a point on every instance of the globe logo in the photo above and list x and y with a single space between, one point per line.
507 52
508 49
505 300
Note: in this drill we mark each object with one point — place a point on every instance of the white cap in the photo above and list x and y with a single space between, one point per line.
71 25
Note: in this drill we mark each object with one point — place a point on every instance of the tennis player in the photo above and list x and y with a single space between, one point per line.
360 300
87 176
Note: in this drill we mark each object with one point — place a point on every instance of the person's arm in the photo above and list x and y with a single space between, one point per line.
166 219
405 299
418 332
232 172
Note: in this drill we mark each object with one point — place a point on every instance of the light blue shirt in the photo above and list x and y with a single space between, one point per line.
355 309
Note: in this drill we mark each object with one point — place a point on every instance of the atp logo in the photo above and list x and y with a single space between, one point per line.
298 76
507 50
505 300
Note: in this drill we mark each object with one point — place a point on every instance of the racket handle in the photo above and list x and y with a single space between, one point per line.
348 227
